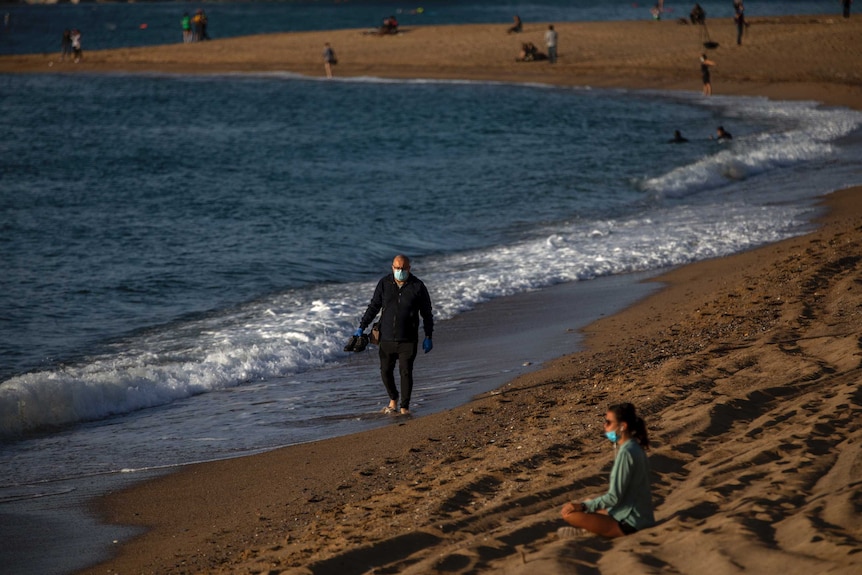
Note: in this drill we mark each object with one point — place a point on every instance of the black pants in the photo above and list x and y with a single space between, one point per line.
404 352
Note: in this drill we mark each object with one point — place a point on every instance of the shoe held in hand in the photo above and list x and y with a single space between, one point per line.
351 343
361 343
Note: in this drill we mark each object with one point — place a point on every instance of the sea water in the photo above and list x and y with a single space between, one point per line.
166 238
183 258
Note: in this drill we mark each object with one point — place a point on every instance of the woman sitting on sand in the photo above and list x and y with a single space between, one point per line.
627 506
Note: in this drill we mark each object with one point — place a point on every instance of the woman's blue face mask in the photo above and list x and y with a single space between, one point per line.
613 436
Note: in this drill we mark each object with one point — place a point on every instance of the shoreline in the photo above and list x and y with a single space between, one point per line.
477 488
640 55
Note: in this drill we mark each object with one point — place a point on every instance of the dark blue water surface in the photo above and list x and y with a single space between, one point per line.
130 201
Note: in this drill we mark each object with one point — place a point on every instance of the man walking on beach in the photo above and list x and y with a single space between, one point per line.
403 298
551 43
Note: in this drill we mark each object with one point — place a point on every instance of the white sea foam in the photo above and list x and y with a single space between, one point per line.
304 329
812 138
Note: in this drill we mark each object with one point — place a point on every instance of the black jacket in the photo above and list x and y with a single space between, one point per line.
401 307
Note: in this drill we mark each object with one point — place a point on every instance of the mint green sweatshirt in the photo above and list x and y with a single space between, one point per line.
628 498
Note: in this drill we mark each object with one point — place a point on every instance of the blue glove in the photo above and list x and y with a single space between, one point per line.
358 332
427 345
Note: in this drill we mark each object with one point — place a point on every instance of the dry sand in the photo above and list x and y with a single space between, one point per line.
746 368
780 57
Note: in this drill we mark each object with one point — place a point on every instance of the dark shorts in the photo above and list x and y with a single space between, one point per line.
626 528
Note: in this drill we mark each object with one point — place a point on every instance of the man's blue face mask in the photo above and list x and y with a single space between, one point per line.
401 275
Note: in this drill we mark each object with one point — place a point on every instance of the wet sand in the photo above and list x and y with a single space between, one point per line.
746 368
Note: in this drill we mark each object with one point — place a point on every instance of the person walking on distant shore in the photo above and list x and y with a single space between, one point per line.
204 24
401 298
328 59
846 5
186 24
697 15
551 43
198 26
627 505
739 19
77 51
66 45
705 65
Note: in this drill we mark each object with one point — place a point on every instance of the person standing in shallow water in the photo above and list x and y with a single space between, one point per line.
401 298
627 506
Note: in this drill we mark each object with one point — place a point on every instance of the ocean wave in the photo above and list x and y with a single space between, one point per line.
305 329
803 132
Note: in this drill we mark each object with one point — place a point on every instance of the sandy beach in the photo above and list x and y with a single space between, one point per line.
801 57
746 368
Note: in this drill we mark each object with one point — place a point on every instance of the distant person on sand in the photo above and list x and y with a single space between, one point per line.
77 50
529 53
199 26
721 134
186 25
627 505
739 19
705 65
697 15
518 26
66 45
328 59
551 43
390 26
846 4
404 299
677 138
